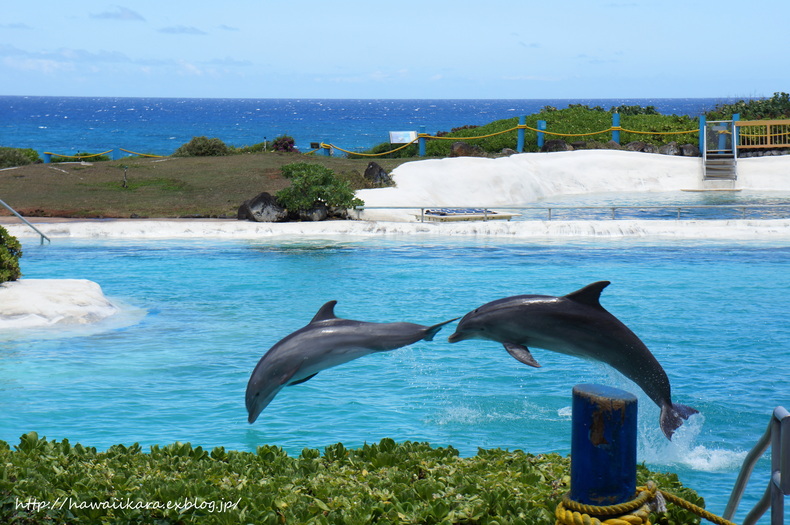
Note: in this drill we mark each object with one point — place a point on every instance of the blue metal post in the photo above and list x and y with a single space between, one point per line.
541 136
522 121
735 118
47 158
603 445
702 124
422 141
616 125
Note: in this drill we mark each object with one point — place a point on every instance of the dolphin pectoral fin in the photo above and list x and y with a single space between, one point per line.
672 417
299 382
433 330
325 312
521 353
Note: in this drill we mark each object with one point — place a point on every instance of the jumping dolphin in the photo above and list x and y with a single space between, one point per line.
325 342
577 325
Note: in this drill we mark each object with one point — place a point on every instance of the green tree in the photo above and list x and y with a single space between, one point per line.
312 184
10 252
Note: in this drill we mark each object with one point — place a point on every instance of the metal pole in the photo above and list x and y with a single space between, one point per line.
422 141
541 136
522 121
616 126
603 445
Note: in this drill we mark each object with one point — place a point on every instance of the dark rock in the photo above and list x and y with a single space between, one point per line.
689 150
508 152
376 174
636 145
262 208
669 149
579 144
318 213
556 145
650 148
336 212
463 149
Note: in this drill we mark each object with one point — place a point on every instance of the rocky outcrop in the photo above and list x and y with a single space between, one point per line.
464 149
262 208
556 145
376 174
689 150
670 148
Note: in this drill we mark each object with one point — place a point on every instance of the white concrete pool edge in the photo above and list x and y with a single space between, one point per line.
734 229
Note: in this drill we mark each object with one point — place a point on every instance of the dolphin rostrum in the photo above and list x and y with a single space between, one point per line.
325 342
577 325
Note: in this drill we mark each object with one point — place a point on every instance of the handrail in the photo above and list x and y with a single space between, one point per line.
613 208
778 437
763 133
12 210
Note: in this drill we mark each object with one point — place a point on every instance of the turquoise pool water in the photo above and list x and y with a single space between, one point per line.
200 314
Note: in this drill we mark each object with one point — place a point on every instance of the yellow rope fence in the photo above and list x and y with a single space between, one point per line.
635 512
520 126
78 156
92 155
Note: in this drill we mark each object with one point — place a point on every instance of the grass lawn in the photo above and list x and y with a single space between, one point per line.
167 187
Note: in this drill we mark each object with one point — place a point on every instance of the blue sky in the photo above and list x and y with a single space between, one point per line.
403 49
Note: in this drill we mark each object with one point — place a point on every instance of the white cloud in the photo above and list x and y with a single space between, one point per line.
120 13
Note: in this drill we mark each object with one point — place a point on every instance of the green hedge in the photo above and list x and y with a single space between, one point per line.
12 157
56 482
573 120
10 252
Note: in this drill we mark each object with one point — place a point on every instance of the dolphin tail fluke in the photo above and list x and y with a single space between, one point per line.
672 417
433 330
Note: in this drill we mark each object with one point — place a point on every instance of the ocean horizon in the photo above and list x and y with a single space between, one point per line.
69 125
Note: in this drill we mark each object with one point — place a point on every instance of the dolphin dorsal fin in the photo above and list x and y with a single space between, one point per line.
589 295
325 312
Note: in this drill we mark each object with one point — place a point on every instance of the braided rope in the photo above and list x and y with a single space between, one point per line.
634 512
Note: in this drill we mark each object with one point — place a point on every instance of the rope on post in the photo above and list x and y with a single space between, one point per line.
635 512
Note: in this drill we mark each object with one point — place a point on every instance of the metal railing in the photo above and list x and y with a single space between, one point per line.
12 210
488 212
778 437
763 133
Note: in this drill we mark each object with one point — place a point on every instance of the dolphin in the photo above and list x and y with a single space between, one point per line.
325 342
577 325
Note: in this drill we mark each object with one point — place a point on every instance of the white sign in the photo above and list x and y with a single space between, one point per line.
402 137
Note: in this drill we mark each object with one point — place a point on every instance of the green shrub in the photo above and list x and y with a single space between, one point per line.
385 482
203 147
776 107
312 184
575 122
12 157
10 252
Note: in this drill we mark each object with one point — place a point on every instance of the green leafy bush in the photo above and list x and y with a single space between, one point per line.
312 184
10 252
776 107
203 147
576 123
386 482
11 157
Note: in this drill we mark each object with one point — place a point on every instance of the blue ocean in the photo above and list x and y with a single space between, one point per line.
67 125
